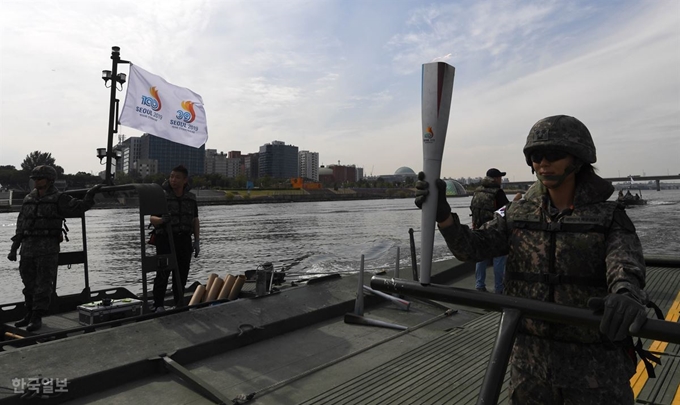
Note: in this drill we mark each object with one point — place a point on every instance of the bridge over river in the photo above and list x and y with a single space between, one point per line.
523 185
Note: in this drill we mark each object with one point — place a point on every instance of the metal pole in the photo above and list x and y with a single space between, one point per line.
665 331
500 356
86 269
402 304
115 58
145 289
359 303
195 382
414 263
396 266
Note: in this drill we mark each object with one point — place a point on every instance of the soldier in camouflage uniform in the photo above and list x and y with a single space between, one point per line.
565 244
183 218
39 233
488 198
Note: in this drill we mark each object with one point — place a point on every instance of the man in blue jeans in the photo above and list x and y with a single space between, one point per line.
489 198
498 271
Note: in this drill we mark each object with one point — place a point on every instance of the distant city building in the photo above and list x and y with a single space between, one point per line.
309 164
251 165
209 163
469 180
344 174
220 164
234 163
400 175
405 171
326 176
171 154
215 163
146 167
360 173
130 150
278 160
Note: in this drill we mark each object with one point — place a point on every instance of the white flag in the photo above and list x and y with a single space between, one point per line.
159 108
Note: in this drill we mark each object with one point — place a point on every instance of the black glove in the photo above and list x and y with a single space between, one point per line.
91 192
12 256
443 207
622 315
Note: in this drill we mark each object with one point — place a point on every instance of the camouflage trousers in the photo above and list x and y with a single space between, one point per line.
38 274
527 390
547 372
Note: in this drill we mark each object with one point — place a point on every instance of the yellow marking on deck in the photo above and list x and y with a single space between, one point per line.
638 381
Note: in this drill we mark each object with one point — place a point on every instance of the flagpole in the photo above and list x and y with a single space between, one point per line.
113 128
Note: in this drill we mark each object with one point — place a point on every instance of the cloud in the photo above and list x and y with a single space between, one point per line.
343 78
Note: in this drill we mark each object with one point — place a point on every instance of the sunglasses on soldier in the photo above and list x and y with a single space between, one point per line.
551 155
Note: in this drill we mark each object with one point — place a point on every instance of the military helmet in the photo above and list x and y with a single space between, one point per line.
44 171
564 133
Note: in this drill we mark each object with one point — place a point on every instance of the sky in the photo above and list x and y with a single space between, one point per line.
343 78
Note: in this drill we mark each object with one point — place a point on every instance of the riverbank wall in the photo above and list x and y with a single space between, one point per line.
229 197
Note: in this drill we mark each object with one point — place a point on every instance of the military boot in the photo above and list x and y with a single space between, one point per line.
25 321
36 322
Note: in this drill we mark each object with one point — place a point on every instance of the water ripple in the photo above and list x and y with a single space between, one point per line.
303 238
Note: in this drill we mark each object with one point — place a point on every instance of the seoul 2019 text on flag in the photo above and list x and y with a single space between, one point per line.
159 108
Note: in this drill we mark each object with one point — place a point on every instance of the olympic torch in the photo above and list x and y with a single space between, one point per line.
436 105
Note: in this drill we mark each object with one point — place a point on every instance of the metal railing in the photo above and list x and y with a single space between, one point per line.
513 309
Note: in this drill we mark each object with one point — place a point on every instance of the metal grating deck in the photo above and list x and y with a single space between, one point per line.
450 368
663 286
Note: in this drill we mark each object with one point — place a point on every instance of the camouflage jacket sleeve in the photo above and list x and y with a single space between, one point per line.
625 261
16 239
74 207
475 245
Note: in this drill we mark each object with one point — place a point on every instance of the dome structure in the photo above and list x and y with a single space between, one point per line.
405 171
455 188
325 171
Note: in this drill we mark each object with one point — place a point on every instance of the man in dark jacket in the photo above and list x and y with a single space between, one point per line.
39 233
183 218
488 198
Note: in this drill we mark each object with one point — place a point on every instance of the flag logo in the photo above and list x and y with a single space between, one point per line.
143 106
189 115
428 136
154 101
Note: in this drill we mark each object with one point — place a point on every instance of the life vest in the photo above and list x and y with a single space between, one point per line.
560 261
483 205
182 211
41 217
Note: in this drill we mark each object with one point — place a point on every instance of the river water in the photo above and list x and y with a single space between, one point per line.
303 238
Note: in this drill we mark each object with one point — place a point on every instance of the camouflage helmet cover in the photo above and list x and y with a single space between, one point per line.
564 133
44 171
